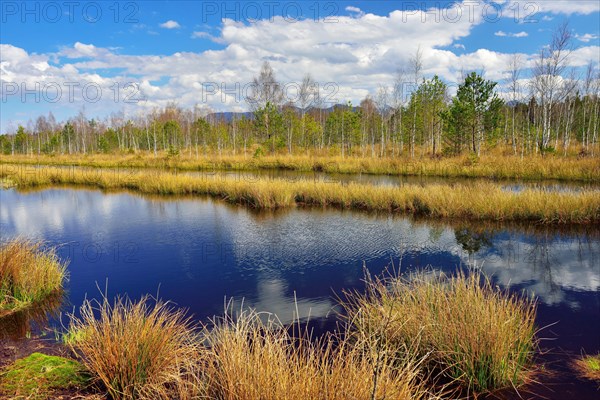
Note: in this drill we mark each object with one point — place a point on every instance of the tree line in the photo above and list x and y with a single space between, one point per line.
556 111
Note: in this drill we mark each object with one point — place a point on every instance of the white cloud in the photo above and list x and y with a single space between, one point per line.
569 7
358 54
515 35
586 38
170 24
355 10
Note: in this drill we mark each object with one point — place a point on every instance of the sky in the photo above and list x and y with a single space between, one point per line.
132 56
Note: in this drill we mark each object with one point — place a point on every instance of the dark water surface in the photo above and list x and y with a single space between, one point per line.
199 252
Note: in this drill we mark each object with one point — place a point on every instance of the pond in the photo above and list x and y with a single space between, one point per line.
201 253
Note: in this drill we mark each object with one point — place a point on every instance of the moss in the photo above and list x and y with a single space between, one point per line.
38 375
589 367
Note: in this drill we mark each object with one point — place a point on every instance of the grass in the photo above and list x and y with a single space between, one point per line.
38 375
588 367
406 338
29 273
471 332
142 350
495 165
252 359
483 201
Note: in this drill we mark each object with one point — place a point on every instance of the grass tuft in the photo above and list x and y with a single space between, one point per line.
141 350
29 273
253 359
470 332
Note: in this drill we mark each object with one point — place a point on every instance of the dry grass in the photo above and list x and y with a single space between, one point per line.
494 165
479 202
399 333
252 359
29 273
142 350
471 332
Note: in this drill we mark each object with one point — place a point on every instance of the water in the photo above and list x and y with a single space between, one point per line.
199 253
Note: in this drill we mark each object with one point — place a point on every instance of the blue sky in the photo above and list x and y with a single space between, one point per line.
133 56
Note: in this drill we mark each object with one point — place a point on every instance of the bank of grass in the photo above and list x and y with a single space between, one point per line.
402 336
588 367
482 201
145 350
494 166
29 273
38 375
468 330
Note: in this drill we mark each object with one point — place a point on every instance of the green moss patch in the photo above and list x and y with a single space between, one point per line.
589 367
38 375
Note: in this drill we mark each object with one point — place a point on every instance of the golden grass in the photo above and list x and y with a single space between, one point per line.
137 350
252 359
151 352
494 165
482 201
470 331
29 273
398 334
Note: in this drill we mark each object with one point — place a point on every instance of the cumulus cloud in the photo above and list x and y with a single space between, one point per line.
586 38
356 55
170 24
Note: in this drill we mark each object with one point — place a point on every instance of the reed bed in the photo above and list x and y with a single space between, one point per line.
482 201
471 332
29 273
494 166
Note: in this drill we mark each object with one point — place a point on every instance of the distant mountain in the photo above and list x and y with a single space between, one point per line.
229 116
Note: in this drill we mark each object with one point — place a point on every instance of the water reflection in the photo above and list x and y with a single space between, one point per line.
19 324
199 252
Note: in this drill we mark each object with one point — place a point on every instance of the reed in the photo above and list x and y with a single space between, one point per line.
471 332
482 201
29 273
137 350
494 166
